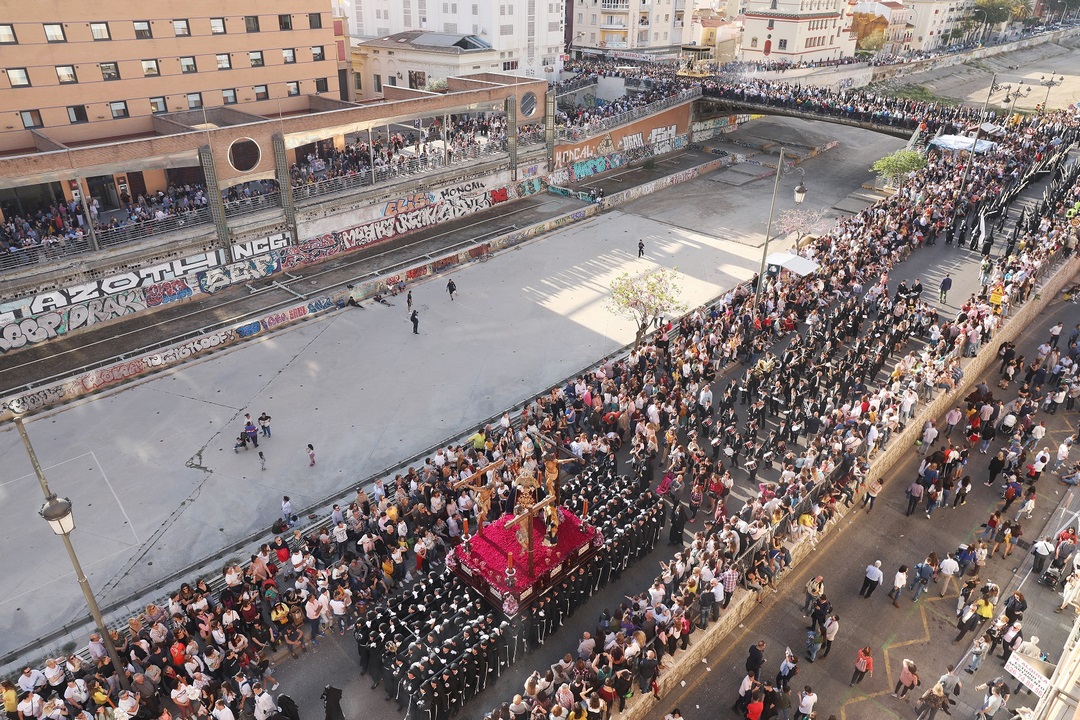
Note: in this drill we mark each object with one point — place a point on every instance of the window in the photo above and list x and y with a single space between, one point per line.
321 85
142 30
289 55
284 22
228 96
187 64
256 58
110 71
7 35
251 23
315 21
18 77
65 74
181 28
194 101
217 26
771 24
317 53
150 68
358 82
261 93
118 109
54 32
782 45
158 105
224 61
294 87
77 114
377 81
31 119
100 31
510 65
390 80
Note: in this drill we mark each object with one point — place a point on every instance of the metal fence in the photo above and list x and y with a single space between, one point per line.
577 134
255 203
364 177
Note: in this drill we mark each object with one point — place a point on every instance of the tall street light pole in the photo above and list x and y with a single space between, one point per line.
994 87
800 195
1049 84
57 512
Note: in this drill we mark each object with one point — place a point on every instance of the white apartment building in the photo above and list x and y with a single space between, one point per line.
797 30
526 34
934 20
631 29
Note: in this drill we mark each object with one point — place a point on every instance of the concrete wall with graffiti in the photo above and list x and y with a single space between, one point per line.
704 129
112 376
40 318
654 130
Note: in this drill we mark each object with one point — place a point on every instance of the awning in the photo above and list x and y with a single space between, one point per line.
960 142
792 262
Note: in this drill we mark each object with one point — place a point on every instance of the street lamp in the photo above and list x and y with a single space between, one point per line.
982 30
57 512
1049 83
800 195
1013 95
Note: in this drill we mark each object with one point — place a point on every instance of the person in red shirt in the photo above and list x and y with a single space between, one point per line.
756 706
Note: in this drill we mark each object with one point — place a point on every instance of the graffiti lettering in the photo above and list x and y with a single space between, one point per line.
30 331
631 141
252 248
57 299
166 292
408 204
249 330
453 192
565 157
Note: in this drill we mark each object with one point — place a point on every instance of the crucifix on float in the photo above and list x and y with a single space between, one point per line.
528 508
483 493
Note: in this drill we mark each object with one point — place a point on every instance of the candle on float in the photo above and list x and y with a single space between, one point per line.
584 508
465 528
509 561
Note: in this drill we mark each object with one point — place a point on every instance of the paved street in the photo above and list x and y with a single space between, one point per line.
151 467
920 631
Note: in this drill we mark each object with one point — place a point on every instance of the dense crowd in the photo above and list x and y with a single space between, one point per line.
416 150
63 227
831 366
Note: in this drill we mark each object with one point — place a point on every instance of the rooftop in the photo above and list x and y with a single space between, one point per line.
451 43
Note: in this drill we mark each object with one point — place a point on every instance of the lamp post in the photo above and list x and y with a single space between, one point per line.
994 87
982 30
800 195
1013 95
559 59
57 512
1049 83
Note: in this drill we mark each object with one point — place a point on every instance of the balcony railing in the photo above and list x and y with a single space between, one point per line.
111 236
577 134
614 26
616 44
22 258
363 177
255 203
615 5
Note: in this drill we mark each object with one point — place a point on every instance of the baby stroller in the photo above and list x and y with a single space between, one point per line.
1051 577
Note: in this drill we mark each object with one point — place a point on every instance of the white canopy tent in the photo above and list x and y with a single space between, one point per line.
792 262
960 142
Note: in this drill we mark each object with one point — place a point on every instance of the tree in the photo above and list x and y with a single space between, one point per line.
645 298
873 42
802 222
992 12
899 164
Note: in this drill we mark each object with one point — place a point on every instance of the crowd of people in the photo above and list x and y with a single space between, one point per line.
831 366
402 153
63 227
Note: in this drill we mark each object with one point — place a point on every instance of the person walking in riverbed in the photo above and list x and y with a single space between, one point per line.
451 288
415 319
